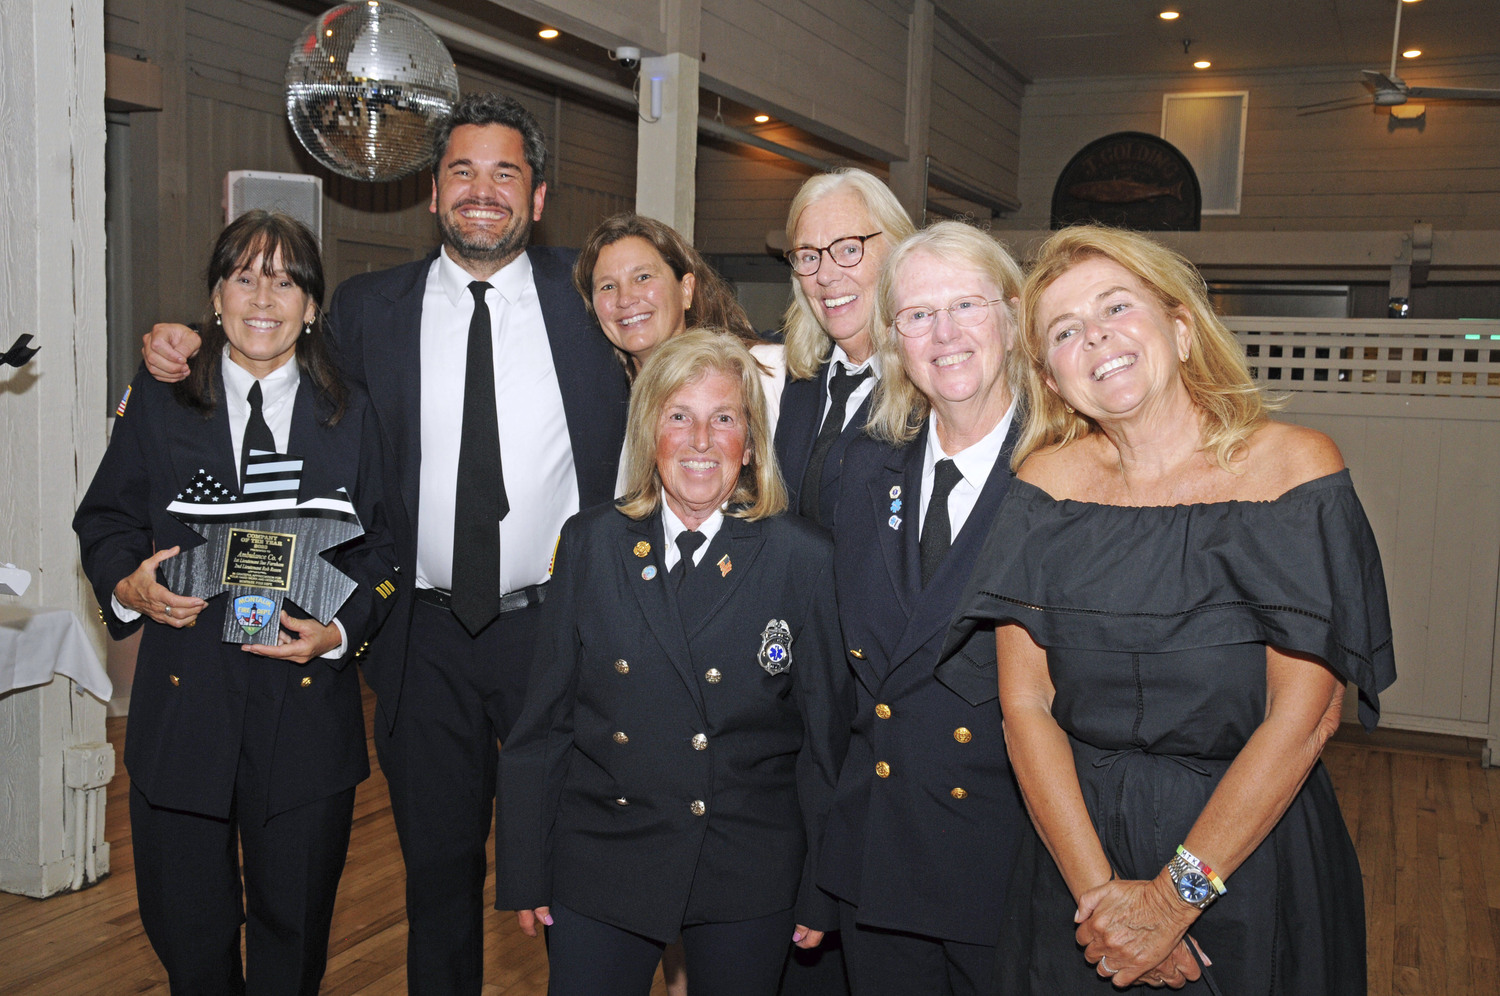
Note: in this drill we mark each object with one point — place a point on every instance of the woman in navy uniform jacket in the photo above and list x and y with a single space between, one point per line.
926 819
230 747
683 726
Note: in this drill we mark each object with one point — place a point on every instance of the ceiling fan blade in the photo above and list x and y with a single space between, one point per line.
1348 103
1335 100
1451 93
1380 81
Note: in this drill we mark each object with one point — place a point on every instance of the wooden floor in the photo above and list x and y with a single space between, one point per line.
1427 826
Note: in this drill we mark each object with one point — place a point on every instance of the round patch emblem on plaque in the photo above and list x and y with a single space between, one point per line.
1130 180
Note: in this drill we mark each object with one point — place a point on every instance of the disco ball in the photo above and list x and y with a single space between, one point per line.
365 87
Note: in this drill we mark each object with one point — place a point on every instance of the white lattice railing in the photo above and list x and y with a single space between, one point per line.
1373 356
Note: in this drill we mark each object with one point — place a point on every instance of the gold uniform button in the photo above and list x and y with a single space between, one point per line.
622 666
962 735
621 738
173 678
856 653
883 711
714 676
700 742
698 807
959 793
307 682
882 769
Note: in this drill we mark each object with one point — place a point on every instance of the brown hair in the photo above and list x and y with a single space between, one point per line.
267 234
714 302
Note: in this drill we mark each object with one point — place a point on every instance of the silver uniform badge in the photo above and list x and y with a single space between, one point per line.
776 647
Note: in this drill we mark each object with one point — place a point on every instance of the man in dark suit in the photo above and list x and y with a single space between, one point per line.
502 408
840 226
926 816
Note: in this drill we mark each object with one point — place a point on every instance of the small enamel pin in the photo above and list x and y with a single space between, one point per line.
896 505
641 549
648 572
894 522
895 491
776 647
725 566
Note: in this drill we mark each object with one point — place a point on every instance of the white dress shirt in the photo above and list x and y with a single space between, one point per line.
975 463
672 527
850 367
535 452
278 397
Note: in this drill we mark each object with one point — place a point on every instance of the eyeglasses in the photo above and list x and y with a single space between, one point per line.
846 252
967 311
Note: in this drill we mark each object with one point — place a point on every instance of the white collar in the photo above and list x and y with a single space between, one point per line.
973 462
839 356
274 386
511 280
671 525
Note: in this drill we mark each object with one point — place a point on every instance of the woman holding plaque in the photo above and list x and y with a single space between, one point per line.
685 717
240 749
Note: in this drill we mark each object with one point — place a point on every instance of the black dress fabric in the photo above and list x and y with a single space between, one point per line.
1155 621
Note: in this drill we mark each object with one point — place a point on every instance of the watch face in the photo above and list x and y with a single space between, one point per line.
1193 887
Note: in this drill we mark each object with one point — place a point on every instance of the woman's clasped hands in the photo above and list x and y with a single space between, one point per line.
1136 932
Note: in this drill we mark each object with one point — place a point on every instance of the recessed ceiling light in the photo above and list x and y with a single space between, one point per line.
1409 1
547 33
1169 15
1202 64
762 118
1411 53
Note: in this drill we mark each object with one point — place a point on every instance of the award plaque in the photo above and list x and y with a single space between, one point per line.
262 548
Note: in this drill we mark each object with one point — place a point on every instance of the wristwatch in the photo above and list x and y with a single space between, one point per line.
1196 885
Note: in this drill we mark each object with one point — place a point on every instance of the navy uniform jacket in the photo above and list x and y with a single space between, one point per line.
927 846
608 802
377 322
188 700
797 430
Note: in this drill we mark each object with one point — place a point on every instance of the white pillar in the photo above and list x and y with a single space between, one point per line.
666 158
52 411
909 176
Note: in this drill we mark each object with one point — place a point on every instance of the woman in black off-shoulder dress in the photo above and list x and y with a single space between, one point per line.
1194 586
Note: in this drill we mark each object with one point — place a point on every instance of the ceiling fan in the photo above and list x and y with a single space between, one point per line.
1391 90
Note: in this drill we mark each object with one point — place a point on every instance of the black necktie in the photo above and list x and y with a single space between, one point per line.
840 387
257 432
937 532
688 542
480 501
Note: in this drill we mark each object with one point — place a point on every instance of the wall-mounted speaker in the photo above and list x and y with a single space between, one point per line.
295 194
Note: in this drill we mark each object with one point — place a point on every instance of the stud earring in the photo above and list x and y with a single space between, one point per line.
1068 408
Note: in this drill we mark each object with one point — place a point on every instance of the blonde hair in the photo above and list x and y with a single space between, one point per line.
677 362
898 408
807 343
1215 373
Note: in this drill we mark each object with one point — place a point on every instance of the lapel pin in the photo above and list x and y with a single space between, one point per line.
641 549
725 566
896 505
895 491
648 572
894 522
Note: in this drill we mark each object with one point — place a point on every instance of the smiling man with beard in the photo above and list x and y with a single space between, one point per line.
502 411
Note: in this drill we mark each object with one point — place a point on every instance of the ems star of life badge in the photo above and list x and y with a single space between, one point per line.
776 647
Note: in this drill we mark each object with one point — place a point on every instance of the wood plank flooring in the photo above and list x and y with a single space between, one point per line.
1426 824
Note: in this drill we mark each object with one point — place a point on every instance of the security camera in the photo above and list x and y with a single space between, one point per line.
627 56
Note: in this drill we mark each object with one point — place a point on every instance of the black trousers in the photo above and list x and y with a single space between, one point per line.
188 878
459 698
587 957
898 963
